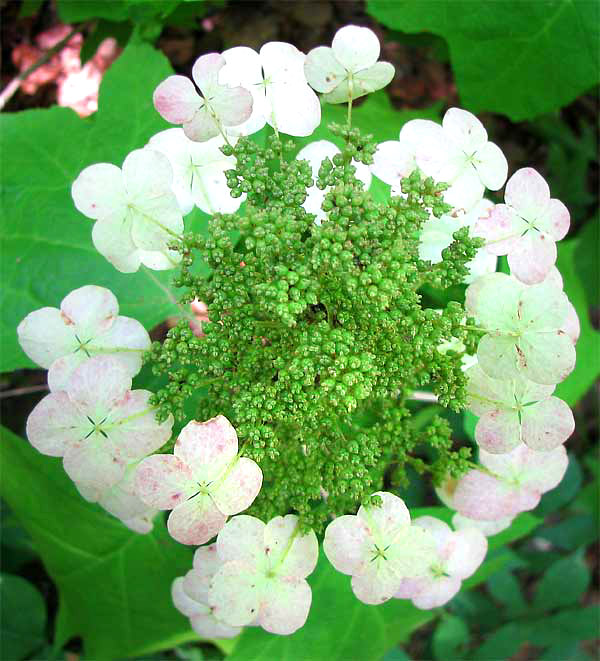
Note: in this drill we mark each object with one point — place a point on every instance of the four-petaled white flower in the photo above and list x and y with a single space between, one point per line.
97 424
315 153
190 595
523 327
204 117
198 172
459 554
516 410
87 324
262 578
275 78
527 227
136 213
379 547
509 483
203 482
349 69
123 503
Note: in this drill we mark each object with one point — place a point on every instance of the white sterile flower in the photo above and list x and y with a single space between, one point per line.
437 235
458 153
281 96
198 171
349 69
262 576
527 227
459 554
123 503
315 153
203 481
87 324
136 212
516 410
509 483
190 595
379 547
488 528
97 424
524 328
204 117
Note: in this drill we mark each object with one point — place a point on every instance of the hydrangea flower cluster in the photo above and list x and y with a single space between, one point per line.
314 338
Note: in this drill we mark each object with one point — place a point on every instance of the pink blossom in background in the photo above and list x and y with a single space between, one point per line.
77 85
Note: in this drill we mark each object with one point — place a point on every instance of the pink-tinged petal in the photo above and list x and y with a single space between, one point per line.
45 336
293 108
542 307
122 502
571 324
301 557
502 230
539 471
205 71
206 561
98 192
322 69
355 48
410 587
243 539
531 259
557 221
237 491
95 462
285 606
55 424
91 309
236 593
528 193
498 431
388 519
491 166
233 106
439 530
195 521
176 99
484 497
393 161
207 447
437 593
346 544
547 357
464 129
163 481
467 553
112 239
142 524
498 356
547 424
202 126
488 528
147 174
98 385
132 425
377 583
183 603
207 626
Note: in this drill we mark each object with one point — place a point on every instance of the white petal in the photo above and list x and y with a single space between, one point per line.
355 48
99 192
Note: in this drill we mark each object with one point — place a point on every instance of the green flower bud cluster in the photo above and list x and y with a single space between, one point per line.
317 335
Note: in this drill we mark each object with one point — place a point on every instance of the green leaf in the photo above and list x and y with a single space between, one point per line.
576 625
338 622
73 11
503 643
519 58
571 533
505 588
47 248
587 368
29 8
113 585
564 493
563 584
450 638
22 618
